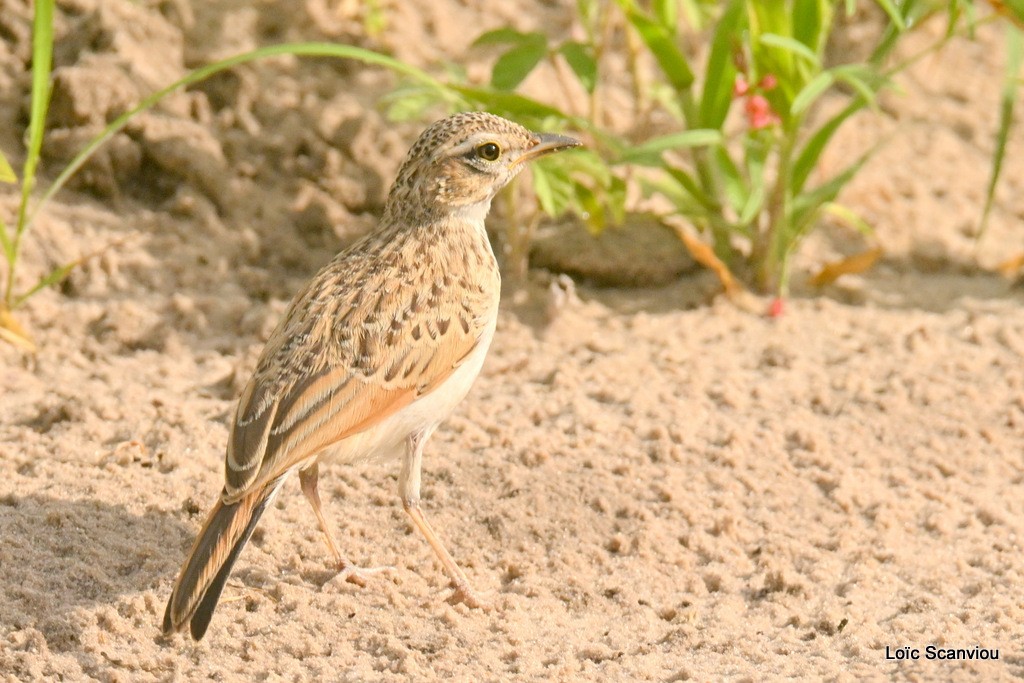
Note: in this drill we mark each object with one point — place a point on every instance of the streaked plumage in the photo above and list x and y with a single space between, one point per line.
373 353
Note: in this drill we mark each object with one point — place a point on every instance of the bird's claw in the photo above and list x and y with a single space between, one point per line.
359 575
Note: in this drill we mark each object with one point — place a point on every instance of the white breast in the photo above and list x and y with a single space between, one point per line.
387 438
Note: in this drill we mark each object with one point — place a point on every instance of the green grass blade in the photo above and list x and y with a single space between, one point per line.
806 204
662 45
511 104
810 93
42 63
7 245
809 23
683 202
500 36
649 153
756 151
791 45
7 174
849 217
580 59
808 157
51 278
544 191
312 49
734 185
894 14
516 64
1014 49
720 73
864 81
1015 9
689 184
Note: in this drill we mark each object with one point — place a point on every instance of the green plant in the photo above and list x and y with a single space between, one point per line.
748 183
42 56
744 166
752 183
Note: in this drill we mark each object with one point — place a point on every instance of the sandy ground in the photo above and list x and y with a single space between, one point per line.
650 483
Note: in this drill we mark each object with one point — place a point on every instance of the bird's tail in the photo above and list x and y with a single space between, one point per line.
202 578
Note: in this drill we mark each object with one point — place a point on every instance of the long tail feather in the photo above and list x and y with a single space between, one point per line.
202 578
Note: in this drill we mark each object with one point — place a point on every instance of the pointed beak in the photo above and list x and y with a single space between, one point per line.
546 144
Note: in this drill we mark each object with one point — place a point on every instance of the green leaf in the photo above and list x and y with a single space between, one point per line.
666 12
589 12
590 208
688 183
501 36
580 59
7 174
894 14
720 73
615 197
734 185
509 103
583 161
53 277
790 45
556 190
544 191
1011 83
849 217
1016 8
662 45
811 92
8 248
810 25
756 155
808 157
42 62
516 64
682 201
410 102
649 153
806 204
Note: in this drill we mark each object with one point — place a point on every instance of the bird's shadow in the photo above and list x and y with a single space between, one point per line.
57 555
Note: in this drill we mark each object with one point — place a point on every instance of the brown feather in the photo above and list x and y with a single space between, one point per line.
329 370
224 534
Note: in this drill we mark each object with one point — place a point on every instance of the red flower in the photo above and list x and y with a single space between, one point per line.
759 112
740 87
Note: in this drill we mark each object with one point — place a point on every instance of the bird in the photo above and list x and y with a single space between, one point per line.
371 355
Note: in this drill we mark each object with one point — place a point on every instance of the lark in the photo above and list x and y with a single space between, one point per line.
372 355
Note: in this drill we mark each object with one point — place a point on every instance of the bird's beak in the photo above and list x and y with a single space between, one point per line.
546 144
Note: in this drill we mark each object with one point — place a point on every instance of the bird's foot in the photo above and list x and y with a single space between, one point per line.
359 575
470 598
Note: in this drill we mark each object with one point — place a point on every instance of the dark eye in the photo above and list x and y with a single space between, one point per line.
488 151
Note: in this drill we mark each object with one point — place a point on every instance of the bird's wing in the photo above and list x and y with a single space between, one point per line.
328 374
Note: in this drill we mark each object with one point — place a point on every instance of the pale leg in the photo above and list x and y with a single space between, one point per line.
409 489
348 571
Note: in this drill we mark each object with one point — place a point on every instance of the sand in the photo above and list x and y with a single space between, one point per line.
651 484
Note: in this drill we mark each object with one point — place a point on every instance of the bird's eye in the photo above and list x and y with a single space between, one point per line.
488 151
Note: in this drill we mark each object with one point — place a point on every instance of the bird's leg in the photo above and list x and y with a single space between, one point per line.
409 488
347 571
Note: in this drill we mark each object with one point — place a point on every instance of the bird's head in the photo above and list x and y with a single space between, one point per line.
460 163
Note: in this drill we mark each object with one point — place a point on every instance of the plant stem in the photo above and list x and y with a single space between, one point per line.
771 246
720 228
